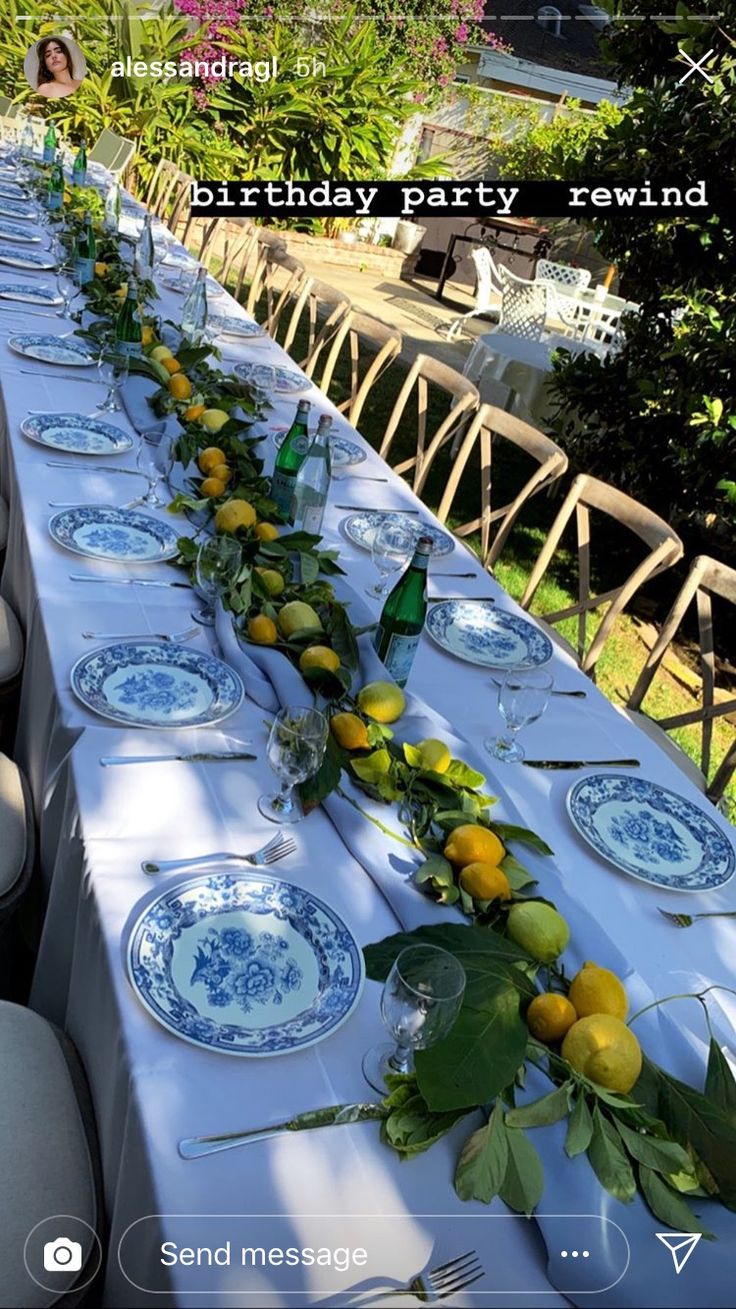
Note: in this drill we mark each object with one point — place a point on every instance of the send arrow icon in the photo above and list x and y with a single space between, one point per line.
680 1246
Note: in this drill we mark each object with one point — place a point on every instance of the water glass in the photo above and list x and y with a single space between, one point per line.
421 999
296 745
155 465
391 549
261 380
112 367
218 561
68 290
522 698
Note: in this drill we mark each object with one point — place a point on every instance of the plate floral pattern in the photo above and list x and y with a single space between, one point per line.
146 684
361 529
52 350
243 328
25 258
288 382
651 833
9 232
482 634
15 208
32 295
122 535
76 433
245 964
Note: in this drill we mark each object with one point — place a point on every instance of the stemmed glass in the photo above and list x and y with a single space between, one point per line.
112 367
160 462
421 999
261 378
295 748
522 698
68 290
391 549
218 561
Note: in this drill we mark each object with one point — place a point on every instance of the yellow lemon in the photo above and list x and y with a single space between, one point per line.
550 1016
384 702
597 990
234 514
122 291
101 271
189 416
262 630
538 929
435 755
160 353
272 579
470 843
211 457
604 1049
212 486
171 364
179 386
214 419
485 882
266 531
349 731
296 618
319 656
147 337
222 471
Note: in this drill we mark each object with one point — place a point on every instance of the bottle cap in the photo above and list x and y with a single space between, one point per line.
424 545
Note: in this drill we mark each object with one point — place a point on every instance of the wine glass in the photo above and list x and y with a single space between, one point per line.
391 549
218 561
522 698
261 379
112 367
68 290
295 748
421 999
155 466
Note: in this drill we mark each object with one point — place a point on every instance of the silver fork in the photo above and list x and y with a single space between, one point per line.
435 1284
187 634
277 848
687 920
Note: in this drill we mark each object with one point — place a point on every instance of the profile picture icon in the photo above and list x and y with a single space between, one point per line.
55 67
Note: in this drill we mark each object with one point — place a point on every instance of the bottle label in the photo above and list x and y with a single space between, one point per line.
307 518
133 349
84 270
282 487
79 177
54 200
398 656
49 152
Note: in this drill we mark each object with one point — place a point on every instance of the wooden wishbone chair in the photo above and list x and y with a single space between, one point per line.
464 400
665 548
382 344
283 278
320 308
488 428
707 577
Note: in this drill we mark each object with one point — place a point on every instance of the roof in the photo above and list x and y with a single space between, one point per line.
576 49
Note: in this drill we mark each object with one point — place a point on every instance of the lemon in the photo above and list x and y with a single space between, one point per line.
171 364
179 386
101 271
597 990
550 1016
485 882
604 1049
384 702
190 415
470 843
222 471
122 291
538 929
262 630
234 514
349 731
160 353
272 579
319 656
212 486
266 531
296 618
211 457
147 337
214 419
435 755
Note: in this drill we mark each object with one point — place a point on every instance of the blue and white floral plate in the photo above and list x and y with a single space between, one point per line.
77 434
26 258
288 382
242 329
121 535
651 833
32 295
12 191
361 529
147 684
344 453
18 235
52 349
245 964
214 290
482 634
16 209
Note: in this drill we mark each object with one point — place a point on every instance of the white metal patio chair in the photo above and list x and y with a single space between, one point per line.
562 274
488 289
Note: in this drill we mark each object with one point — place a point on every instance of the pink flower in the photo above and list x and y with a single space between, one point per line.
461 32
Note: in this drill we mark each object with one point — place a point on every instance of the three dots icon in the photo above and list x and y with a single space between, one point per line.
575 1253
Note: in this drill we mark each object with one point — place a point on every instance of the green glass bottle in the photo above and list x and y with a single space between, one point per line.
79 170
85 253
49 145
55 192
128 329
399 631
290 458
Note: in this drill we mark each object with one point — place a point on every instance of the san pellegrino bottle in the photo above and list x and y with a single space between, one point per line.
113 207
312 482
400 628
79 169
55 191
144 254
289 458
27 140
49 145
194 311
85 253
128 329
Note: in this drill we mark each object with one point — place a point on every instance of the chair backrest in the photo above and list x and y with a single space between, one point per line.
464 396
317 309
665 548
113 152
562 274
168 193
524 306
488 279
371 346
707 577
489 428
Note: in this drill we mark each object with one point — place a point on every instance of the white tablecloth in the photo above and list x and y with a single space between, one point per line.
149 1088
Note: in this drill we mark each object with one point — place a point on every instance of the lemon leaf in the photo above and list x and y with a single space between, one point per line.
540 1113
668 1206
523 1184
412 755
373 767
579 1130
483 1160
609 1161
461 774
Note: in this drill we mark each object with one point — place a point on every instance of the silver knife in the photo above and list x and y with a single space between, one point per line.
194 1147
125 581
109 760
581 763
373 509
93 468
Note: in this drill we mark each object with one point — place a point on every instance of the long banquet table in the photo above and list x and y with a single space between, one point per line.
149 1089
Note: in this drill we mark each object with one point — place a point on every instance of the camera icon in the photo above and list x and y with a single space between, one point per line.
62 1256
